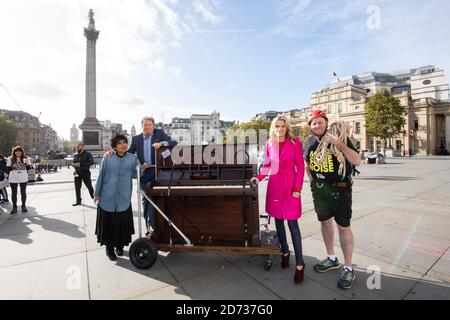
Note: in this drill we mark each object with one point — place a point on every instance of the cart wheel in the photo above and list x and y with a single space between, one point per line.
268 262
143 253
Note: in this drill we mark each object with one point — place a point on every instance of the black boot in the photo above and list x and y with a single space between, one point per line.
119 251
14 210
24 208
110 253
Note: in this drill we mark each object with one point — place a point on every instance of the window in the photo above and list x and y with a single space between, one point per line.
339 96
318 99
356 108
416 124
378 145
330 109
329 98
416 146
340 107
357 127
358 145
398 145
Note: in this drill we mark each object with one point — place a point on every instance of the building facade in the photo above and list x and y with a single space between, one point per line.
108 131
268 115
422 91
28 131
74 133
199 129
48 140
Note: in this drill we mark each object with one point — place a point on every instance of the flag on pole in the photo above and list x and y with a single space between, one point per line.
336 76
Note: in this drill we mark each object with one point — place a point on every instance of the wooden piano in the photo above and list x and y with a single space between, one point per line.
205 192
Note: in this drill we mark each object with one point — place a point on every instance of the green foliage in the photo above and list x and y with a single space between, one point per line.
385 116
69 146
244 127
8 135
302 132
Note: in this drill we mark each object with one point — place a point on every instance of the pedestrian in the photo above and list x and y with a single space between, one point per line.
113 191
328 162
283 163
4 183
82 162
144 146
18 165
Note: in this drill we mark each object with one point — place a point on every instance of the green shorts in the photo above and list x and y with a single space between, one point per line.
332 201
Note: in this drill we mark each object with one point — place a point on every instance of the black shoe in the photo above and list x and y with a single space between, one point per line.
24 209
14 210
111 255
76 204
119 251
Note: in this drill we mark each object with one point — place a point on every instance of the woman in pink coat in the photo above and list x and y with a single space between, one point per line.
284 165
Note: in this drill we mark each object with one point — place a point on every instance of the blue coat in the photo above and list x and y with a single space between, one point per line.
114 183
137 147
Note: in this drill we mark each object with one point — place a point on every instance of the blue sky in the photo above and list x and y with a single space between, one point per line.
178 57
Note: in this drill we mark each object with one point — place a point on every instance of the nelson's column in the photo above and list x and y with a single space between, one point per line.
91 128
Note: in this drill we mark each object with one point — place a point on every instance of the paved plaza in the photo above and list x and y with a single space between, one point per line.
401 223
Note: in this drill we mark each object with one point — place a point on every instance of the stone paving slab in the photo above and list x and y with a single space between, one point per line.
55 278
120 279
32 246
227 283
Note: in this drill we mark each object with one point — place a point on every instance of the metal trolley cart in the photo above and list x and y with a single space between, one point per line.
204 207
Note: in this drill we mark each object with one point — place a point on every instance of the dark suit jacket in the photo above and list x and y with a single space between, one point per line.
137 147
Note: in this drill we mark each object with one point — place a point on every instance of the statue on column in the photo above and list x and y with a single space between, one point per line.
91 19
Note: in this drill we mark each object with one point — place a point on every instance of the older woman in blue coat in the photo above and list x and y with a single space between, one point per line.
112 194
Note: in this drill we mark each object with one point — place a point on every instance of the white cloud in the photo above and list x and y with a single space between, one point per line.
42 61
207 10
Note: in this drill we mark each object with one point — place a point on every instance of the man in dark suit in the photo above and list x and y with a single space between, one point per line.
82 162
144 145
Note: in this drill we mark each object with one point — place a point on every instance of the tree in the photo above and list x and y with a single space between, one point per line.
302 133
8 135
385 117
245 127
69 146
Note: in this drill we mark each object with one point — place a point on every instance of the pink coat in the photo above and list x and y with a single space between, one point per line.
285 171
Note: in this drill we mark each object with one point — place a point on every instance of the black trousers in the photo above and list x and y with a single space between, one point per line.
86 178
23 193
4 194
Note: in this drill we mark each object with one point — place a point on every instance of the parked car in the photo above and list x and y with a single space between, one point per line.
372 157
363 153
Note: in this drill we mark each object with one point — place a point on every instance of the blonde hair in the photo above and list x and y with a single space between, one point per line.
289 131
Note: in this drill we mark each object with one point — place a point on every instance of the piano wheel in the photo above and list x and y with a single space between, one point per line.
143 253
268 262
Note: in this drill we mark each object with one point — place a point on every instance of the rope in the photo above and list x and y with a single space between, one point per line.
324 149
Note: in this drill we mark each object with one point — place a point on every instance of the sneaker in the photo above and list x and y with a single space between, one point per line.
346 279
76 204
326 265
